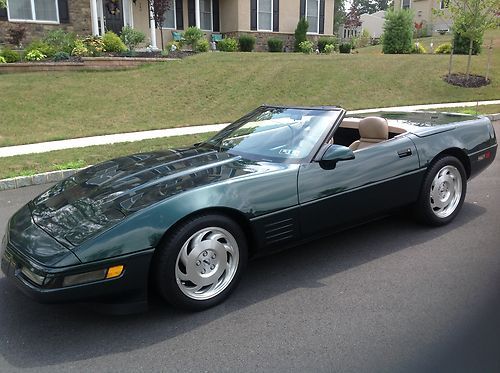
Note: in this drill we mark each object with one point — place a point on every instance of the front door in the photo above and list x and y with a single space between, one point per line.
113 14
380 178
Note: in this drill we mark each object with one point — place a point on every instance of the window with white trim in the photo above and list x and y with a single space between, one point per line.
206 15
312 16
406 4
33 10
443 4
265 15
169 20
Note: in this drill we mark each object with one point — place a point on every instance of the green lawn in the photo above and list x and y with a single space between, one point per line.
220 87
481 109
24 165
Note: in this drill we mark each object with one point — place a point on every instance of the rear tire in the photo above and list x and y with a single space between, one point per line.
443 192
201 262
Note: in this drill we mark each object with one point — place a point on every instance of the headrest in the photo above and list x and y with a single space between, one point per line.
374 128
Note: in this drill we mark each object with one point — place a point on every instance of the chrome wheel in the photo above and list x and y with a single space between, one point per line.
446 191
207 263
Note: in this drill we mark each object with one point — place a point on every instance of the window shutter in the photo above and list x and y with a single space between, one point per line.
302 8
3 14
179 14
215 15
63 11
191 15
276 15
253 14
321 16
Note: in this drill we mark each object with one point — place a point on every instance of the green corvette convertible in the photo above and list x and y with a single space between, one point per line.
184 222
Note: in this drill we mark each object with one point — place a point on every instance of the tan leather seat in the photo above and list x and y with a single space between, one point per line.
372 130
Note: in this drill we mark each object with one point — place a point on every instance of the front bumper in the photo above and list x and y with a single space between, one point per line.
123 294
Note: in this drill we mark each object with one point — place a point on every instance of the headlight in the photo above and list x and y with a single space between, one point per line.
37 279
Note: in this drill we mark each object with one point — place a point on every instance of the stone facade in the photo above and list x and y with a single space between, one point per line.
262 37
79 22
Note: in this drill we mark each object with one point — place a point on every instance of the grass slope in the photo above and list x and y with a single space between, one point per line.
220 87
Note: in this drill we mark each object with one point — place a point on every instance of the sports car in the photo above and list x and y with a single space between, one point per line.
183 223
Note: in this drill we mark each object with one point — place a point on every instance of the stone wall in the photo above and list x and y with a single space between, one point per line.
262 37
79 22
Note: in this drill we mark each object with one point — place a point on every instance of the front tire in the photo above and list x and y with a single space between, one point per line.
443 192
201 262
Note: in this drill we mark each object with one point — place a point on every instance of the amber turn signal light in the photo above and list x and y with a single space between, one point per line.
114 271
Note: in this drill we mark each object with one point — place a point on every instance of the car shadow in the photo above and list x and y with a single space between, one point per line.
27 327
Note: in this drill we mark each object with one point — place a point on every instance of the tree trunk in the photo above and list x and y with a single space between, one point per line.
451 59
467 74
161 37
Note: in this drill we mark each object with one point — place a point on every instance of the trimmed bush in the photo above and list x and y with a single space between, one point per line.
418 49
42 47
275 45
300 33
462 44
227 45
192 35
61 56
60 40
398 32
329 49
444 48
323 41
34 55
113 43
10 56
306 47
202 45
345 48
247 43
132 37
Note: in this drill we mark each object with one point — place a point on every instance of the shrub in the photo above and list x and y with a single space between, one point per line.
34 55
60 40
202 45
2 59
275 45
444 48
323 41
418 49
61 56
132 37
345 48
113 43
80 50
10 56
329 49
306 47
165 52
192 35
300 33
247 43
398 32
16 35
42 47
173 46
94 45
363 40
228 45
462 43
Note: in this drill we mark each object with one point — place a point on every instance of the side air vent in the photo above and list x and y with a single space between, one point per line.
280 231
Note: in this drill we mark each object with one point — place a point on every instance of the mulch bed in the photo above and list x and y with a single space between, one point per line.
461 80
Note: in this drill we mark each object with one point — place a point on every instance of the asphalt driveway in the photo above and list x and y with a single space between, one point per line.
388 296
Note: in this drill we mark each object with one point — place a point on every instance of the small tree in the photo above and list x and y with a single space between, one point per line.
300 33
471 18
398 32
158 9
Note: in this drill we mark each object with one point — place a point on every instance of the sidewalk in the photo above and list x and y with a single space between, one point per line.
9 151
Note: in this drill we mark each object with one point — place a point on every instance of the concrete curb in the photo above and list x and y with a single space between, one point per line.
55 176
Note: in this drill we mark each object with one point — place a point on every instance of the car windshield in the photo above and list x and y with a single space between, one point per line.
276 134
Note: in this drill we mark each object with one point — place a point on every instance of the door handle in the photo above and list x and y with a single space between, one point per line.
404 153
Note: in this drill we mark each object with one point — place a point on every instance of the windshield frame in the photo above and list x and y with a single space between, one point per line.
215 141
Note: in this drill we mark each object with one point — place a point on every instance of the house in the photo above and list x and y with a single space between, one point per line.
351 27
373 23
262 18
423 14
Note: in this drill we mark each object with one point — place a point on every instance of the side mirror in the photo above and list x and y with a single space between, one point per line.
334 154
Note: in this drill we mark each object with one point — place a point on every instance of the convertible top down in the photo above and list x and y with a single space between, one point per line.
184 222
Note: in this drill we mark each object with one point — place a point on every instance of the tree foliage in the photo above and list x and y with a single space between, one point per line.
158 9
300 33
339 15
3 4
371 6
398 32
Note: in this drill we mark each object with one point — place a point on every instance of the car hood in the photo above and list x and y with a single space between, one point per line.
100 196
